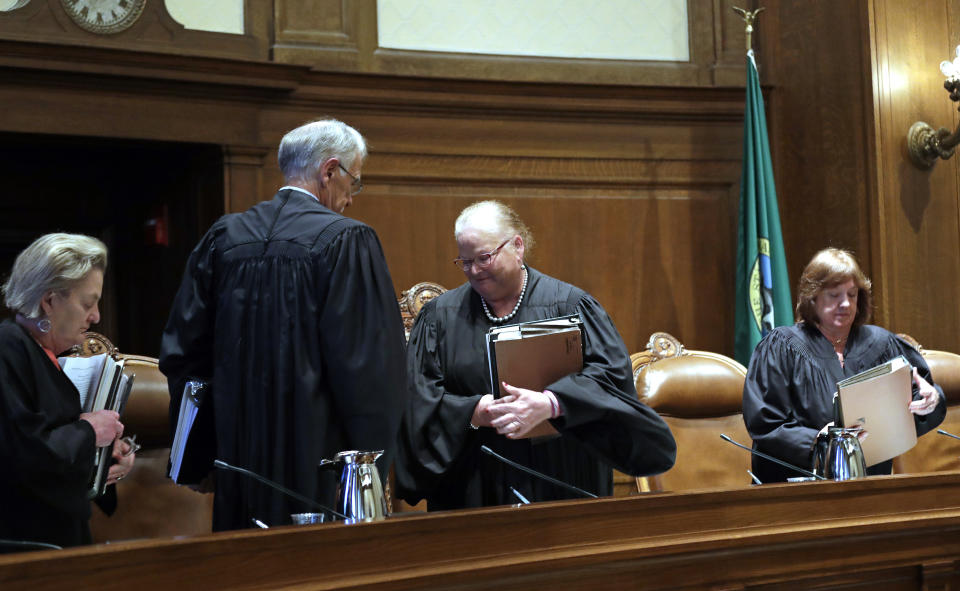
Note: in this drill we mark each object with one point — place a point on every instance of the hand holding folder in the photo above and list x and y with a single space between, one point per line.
533 355
878 400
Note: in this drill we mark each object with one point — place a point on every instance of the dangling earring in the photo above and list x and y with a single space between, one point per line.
43 325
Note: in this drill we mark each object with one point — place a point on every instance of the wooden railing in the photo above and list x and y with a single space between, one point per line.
887 532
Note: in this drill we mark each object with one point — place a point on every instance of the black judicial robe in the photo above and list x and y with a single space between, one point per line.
46 451
603 422
289 311
788 392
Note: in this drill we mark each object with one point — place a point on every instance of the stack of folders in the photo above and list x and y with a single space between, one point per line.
878 400
103 386
533 355
190 403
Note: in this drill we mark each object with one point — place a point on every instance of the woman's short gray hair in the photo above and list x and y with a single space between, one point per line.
496 219
305 148
54 262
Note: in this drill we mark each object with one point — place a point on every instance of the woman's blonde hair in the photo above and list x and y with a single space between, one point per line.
828 268
497 219
54 262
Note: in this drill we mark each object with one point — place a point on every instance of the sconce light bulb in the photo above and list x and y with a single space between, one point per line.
946 68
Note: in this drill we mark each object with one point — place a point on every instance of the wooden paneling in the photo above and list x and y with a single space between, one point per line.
876 533
817 59
342 35
631 192
849 79
917 245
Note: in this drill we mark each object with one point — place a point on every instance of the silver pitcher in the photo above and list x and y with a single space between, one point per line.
837 454
359 494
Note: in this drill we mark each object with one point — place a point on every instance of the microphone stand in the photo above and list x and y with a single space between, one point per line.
225 466
772 459
942 432
532 472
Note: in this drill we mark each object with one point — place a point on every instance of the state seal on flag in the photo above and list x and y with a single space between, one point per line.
761 288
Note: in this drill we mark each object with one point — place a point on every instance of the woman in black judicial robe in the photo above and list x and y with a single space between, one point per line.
451 413
46 445
793 373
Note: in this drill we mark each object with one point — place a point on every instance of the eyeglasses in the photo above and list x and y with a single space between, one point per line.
482 260
357 185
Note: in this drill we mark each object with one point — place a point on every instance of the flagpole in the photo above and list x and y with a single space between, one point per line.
748 17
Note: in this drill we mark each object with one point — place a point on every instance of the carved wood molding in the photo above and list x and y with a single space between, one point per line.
413 299
94 343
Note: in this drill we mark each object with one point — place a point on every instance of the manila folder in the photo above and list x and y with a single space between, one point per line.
881 405
536 361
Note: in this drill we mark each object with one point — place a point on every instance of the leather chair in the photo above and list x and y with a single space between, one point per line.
935 452
699 394
149 504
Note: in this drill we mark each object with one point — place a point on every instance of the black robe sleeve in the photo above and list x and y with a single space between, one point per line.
436 427
362 344
600 405
47 450
783 406
928 422
187 342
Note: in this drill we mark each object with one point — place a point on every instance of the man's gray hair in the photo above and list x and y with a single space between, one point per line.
304 149
496 219
54 262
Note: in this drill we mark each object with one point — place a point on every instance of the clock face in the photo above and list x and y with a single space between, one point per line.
104 16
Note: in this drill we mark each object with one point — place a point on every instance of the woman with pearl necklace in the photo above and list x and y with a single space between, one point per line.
452 411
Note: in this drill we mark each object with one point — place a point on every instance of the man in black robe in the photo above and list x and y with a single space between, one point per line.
288 310
599 418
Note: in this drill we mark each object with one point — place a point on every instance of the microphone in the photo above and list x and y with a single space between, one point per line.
942 432
539 475
517 494
772 459
225 466
28 545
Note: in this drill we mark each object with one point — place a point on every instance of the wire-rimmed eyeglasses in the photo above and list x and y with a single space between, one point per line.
482 260
357 185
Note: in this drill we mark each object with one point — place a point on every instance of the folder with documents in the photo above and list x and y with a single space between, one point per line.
194 395
102 385
878 399
533 355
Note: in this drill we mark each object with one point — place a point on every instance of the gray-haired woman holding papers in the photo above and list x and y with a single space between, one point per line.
46 445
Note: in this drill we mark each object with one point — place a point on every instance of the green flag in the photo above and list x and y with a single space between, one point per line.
763 290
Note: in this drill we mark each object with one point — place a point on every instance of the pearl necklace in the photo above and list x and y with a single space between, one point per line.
513 312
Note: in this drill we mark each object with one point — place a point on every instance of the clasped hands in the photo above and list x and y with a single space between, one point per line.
513 415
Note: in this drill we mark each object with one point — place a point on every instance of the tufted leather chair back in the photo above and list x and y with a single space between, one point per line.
699 394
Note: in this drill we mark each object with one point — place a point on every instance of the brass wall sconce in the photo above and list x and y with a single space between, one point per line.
924 143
